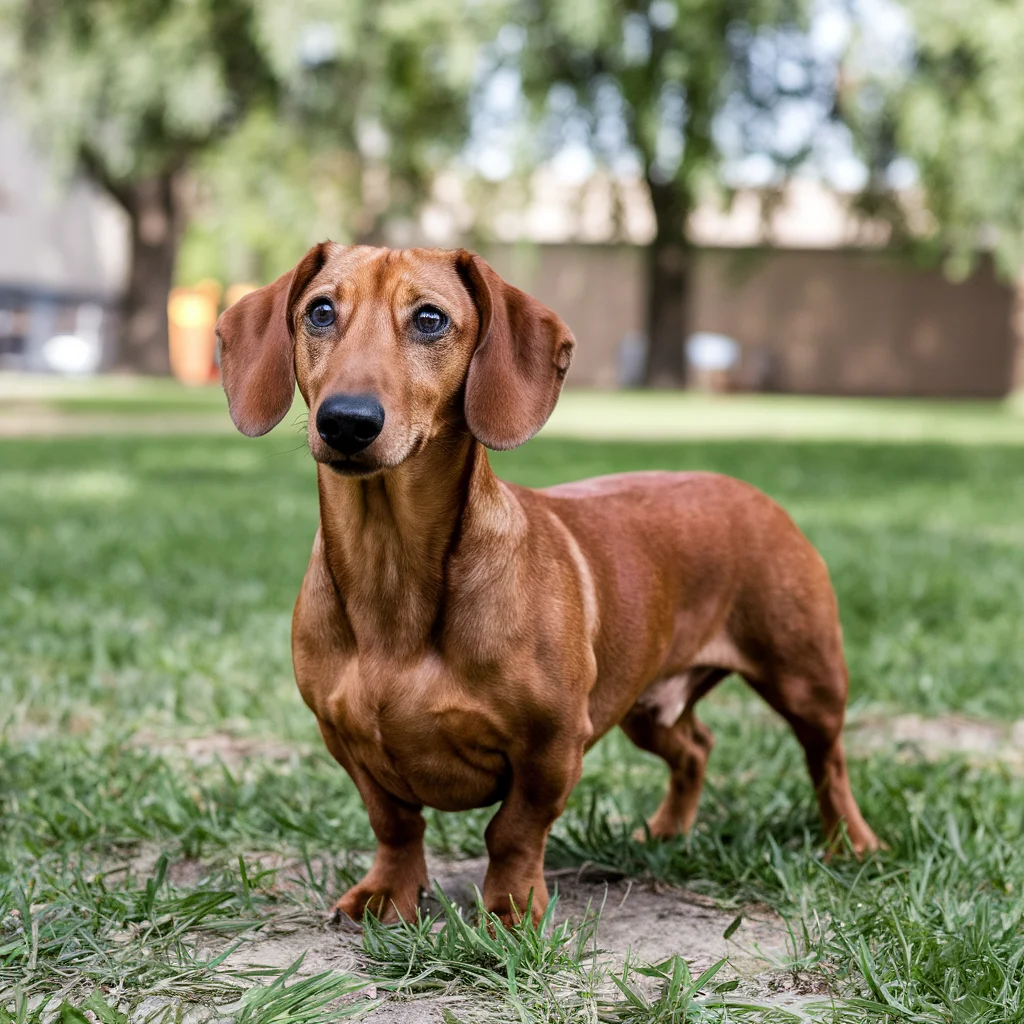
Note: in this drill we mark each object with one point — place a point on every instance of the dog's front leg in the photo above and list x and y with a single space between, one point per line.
391 888
542 780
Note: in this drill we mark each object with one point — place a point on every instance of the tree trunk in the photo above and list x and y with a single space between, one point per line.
668 284
156 211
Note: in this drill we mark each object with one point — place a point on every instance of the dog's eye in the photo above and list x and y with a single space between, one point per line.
430 321
321 313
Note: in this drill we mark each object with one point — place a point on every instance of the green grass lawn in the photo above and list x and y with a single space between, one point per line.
146 600
588 415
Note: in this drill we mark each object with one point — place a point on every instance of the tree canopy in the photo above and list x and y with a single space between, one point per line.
681 86
267 124
954 105
258 95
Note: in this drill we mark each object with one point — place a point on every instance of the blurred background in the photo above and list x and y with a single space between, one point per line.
799 196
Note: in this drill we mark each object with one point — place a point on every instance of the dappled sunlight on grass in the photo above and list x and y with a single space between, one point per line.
672 414
112 403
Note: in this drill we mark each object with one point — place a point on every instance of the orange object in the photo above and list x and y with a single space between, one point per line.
191 315
236 291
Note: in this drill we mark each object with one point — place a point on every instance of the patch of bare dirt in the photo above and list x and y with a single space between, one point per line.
221 746
933 738
649 922
653 922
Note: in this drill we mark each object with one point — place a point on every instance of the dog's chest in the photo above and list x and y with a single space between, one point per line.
419 732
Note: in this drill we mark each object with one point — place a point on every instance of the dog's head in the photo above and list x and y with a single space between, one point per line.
390 348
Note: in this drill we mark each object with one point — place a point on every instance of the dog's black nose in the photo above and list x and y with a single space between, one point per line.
350 423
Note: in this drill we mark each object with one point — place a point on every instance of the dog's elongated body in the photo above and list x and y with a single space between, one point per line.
462 641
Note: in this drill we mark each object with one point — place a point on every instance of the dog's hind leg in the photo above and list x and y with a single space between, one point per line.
811 697
663 722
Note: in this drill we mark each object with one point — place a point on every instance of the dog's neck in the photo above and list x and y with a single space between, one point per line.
389 539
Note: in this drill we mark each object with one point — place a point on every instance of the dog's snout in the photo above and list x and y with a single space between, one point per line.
350 423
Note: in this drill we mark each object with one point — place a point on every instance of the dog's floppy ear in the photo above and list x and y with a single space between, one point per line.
523 352
257 352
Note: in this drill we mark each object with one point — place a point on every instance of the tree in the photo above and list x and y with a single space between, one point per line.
129 91
374 104
951 100
659 79
137 93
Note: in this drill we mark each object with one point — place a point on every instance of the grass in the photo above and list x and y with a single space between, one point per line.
588 415
147 593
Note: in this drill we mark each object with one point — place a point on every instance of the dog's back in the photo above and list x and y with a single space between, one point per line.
691 570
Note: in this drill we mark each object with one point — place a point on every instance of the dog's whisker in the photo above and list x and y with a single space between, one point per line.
287 451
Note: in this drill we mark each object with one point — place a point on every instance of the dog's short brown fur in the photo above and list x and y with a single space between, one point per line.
462 641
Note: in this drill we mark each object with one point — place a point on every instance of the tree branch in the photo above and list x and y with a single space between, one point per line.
93 165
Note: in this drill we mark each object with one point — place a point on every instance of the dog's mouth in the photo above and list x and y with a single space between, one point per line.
349 465
361 464
346 466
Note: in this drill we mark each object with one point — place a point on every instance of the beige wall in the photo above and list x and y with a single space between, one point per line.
596 289
828 322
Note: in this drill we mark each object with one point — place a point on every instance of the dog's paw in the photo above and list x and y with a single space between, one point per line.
656 831
387 904
509 920
509 915
860 845
864 846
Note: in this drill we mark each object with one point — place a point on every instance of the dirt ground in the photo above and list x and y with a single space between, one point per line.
652 923
933 738
649 922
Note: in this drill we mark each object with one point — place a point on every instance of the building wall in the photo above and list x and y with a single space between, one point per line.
596 289
63 254
55 236
850 321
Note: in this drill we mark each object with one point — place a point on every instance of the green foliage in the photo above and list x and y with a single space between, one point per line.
652 78
104 938
531 962
278 123
315 1000
641 86
957 109
369 116
131 89
681 997
263 197
553 973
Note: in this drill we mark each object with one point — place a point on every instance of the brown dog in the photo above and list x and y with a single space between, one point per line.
463 641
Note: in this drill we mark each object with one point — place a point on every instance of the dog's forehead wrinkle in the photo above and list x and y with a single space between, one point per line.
400 278
343 272
381 267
